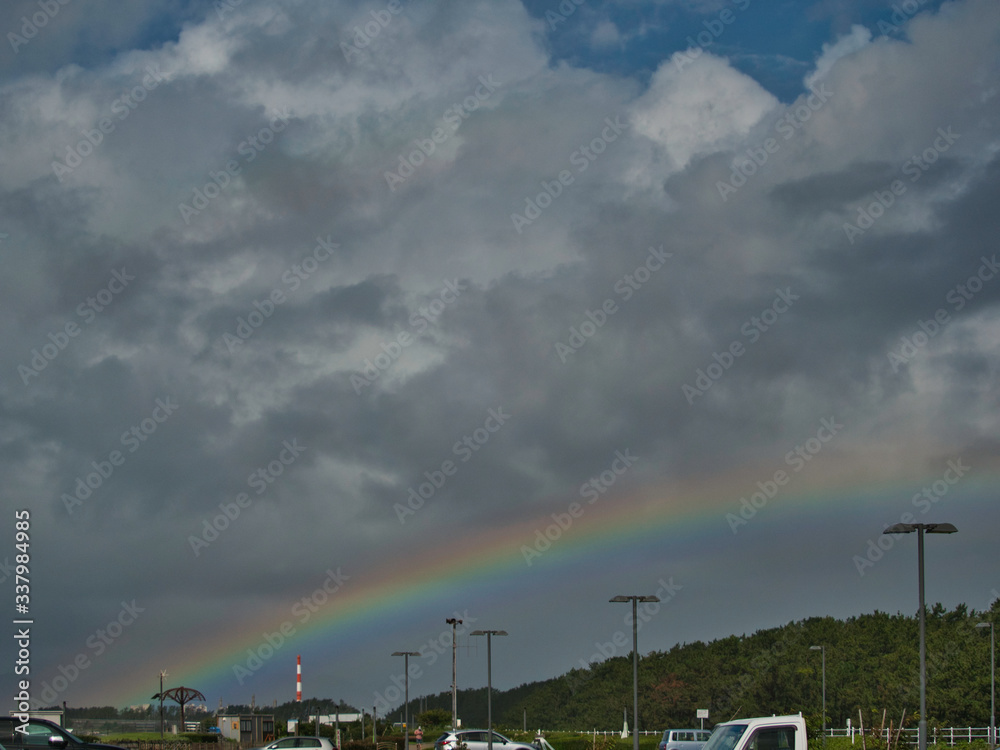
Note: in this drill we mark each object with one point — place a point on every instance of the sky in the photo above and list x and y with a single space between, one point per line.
328 321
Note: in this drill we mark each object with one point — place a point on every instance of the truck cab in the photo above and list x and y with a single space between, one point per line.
760 733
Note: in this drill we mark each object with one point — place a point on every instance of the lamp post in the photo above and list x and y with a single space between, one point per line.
406 689
163 673
921 528
489 680
635 660
454 680
993 683
822 650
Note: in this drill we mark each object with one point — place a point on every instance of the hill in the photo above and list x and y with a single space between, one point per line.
872 664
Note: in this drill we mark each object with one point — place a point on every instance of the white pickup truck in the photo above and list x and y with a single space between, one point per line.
760 733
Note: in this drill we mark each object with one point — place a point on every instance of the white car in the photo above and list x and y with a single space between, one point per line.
300 743
477 739
684 739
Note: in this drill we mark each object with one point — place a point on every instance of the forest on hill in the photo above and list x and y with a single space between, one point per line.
872 665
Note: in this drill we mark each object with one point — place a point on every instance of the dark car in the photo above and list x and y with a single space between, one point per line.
42 734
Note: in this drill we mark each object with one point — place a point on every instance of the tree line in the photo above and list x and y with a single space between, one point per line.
872 665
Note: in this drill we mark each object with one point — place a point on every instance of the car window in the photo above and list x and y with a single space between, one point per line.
773 738
498 738
37 734
725 738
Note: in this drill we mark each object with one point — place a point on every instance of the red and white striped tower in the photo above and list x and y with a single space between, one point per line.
298 679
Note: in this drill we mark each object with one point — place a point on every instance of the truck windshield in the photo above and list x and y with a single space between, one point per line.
725 738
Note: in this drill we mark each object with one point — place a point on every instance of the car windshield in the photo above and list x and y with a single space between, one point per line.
725 738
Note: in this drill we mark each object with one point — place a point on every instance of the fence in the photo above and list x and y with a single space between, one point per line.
944 735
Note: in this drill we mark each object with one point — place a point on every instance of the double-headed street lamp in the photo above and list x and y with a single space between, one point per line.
822 650
489 680
921 528
406 682
635 660
454 621
993 684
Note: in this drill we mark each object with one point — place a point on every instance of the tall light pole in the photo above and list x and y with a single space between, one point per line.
822 650
163 673
993 685
489 680
635 660
406 689
921 528
454 678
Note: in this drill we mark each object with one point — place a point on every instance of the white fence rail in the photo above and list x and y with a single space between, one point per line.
944 735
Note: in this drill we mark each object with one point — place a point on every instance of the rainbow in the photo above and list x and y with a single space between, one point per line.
686 513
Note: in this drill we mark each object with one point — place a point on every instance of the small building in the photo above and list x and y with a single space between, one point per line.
55 715
342 718
250 730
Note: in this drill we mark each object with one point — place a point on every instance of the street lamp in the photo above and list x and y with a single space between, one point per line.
406 689
163 673
822 650
454 680
920 528
635 661
993 683
489 680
